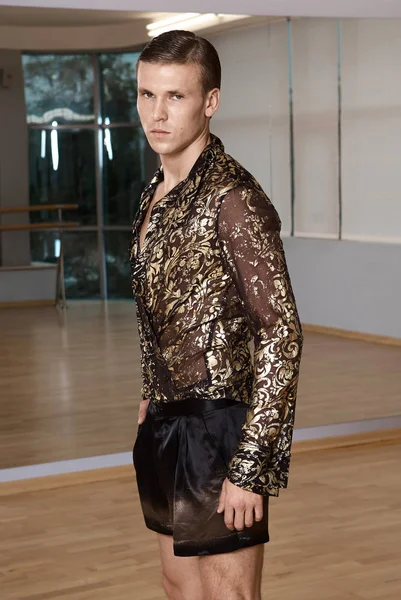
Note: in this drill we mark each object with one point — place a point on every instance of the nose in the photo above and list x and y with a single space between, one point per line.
159 110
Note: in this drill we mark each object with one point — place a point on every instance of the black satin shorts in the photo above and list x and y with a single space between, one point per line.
181 457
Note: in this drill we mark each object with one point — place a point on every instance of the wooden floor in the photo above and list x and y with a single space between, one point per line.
70 385
335 535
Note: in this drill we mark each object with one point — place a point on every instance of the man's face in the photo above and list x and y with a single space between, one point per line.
172 106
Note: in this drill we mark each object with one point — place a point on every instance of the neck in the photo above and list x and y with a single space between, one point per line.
176 167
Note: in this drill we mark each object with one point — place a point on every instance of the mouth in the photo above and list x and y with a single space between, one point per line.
159 132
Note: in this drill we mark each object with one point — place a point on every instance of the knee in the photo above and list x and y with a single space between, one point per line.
182 589
249 596
170 588
232 593
175 589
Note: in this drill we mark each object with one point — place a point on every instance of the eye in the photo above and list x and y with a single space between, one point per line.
146 94
177 96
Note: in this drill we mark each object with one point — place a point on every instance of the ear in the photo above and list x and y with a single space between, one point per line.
212 102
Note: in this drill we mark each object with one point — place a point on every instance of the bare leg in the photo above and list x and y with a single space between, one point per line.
233 575
181 575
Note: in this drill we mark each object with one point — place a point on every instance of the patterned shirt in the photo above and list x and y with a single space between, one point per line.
210 277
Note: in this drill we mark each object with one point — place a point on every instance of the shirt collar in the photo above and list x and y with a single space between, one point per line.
208 154
203 163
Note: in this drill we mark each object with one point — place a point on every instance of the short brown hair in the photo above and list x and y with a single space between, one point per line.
184 47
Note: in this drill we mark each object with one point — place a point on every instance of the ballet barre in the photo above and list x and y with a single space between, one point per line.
59 226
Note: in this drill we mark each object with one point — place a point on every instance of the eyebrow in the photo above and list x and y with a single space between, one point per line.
171 92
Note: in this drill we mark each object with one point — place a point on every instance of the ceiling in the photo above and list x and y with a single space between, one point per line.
328 8
61 29
18 16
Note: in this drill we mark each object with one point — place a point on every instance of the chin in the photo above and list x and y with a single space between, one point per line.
164 148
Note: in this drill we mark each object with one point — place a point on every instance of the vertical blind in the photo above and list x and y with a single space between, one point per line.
335 173
371 129
314 50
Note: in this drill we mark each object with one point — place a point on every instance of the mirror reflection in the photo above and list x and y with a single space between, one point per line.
309 106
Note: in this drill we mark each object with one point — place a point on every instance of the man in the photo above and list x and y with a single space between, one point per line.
209 274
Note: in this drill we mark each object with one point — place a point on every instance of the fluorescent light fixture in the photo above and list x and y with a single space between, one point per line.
171 21
107 139
54 146
191 22
43 144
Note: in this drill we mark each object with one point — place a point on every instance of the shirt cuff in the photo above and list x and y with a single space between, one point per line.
248 469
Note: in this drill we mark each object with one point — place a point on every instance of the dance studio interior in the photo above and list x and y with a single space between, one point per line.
311 106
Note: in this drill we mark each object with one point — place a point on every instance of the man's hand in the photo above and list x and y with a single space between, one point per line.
240 506
143 407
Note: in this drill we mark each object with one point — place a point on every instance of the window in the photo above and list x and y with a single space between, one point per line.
59 88
86 147
124 173
62 170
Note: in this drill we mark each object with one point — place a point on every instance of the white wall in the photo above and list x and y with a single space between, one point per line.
31 284
353 285
253 119
73 38
348 285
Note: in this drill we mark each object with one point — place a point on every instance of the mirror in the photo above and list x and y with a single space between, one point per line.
310 106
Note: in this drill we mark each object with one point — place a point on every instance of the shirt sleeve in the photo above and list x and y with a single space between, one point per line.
249 236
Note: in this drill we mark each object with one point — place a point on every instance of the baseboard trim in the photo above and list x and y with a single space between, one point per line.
366 438
27 303
39 484
353 335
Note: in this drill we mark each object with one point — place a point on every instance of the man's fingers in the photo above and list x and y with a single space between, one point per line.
229 517
241 508
239 521
259 510
143 407
249 517
220 508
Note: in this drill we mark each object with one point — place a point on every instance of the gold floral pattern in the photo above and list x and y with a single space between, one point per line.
212 275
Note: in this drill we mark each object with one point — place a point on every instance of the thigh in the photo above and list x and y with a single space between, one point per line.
180 573
233 575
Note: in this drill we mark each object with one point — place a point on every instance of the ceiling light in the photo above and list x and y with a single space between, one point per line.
170 21
191 22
